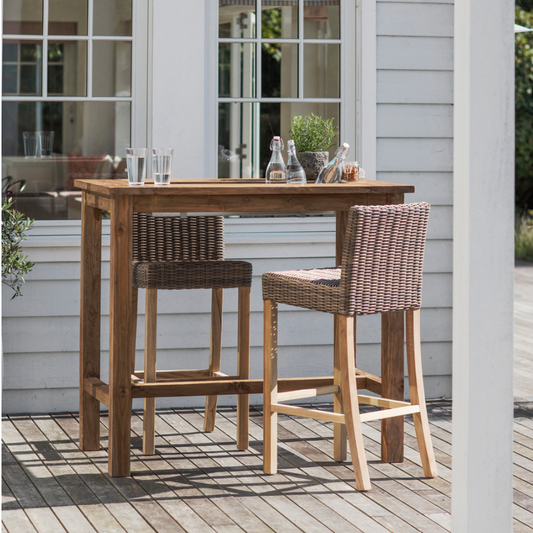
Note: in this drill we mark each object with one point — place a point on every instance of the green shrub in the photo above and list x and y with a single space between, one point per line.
14 263
312 133
524 110
523 236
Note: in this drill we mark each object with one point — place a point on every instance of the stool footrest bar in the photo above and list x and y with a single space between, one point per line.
175 374
307 393
390 413
308 413
381 402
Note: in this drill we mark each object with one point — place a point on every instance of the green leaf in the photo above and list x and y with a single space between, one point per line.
14 264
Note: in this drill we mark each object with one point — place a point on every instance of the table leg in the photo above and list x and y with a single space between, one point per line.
243 363
91 249
339 430
120 332
392 379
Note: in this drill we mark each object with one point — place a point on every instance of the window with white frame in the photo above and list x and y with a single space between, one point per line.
277 59
67 79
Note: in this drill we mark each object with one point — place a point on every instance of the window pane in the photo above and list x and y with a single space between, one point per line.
276 119
112 17
23 17
68 17
235 140
9 79
236 70
279 19
22 68
10 51
321 21
321 71
30 51
30 79
279 70
114 59
236 18
67 66
90 141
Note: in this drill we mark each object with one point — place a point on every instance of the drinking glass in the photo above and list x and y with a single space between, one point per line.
31 144
161 163
46 139
136 162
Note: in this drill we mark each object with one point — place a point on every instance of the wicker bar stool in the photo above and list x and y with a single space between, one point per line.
381 271
188 253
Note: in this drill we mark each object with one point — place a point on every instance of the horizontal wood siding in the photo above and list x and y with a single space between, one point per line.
415 145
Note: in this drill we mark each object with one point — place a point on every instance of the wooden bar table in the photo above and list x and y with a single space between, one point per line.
197 196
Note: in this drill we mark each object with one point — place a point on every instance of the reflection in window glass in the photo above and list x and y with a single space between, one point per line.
236 19
279 77
67 17
279 22
276 119
21 68
321 21
235 140
236 70
67 66
90 141
23 17
112 17
114 59
321 71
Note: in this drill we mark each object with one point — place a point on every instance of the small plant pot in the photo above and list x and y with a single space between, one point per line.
312 163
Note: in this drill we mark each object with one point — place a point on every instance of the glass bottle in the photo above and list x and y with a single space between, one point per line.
276 171
295 171
332 172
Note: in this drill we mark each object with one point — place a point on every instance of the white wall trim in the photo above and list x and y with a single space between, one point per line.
209 150
483 267
140 81
366 86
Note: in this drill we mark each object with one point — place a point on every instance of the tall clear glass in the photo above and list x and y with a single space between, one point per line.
161 165
136 162
46 141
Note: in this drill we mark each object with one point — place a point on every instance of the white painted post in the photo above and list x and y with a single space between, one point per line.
483 266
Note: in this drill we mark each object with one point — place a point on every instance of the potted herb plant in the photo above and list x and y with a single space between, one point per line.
312 136
14 263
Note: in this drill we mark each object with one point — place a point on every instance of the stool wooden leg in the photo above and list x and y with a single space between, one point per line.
350 403
243 366
270 386
416 391
214 356
339 430
134 306
150 343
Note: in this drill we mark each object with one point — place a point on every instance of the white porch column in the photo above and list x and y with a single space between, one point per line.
483 266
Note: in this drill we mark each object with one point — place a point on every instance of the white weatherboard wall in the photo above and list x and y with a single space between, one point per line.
414 145
414 137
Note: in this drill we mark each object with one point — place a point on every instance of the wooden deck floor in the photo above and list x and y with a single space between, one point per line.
200 482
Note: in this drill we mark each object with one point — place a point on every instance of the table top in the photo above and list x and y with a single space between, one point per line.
236 195
235 186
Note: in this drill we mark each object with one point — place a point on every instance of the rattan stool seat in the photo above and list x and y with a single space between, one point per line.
182 252
178 275
316 289
381 272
